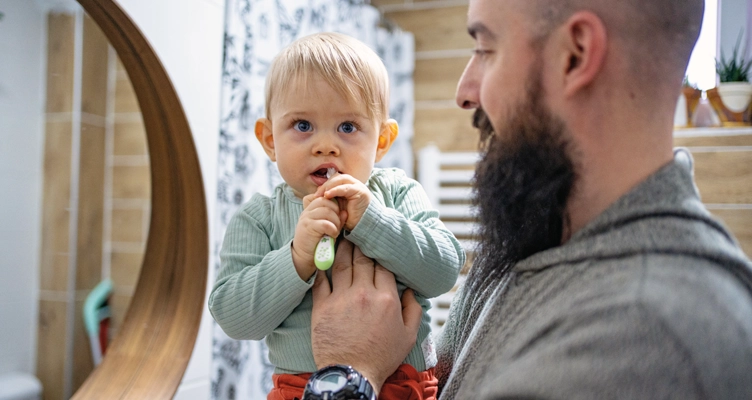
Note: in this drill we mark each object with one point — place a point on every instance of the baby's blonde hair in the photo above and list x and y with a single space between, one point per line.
345 63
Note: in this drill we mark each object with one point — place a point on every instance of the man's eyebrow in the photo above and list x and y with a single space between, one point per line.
478 28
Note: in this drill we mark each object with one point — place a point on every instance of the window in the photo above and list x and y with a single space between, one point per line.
701 69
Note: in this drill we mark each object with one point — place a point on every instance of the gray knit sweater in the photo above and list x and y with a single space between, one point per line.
651 300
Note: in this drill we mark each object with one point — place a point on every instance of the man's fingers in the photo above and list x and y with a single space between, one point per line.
363 269
342 271
411 312
383 278
320 288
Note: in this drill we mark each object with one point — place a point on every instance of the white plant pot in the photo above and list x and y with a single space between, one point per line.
735 95
680 115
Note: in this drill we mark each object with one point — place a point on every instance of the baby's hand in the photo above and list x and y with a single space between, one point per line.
354 195
320 217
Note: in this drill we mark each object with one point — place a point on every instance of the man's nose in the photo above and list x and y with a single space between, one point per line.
468 89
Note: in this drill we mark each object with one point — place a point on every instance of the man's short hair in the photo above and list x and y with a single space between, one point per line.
345 63
655 31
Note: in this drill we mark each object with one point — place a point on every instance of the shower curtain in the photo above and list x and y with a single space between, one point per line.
255 31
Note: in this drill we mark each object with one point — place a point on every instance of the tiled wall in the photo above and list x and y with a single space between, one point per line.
130 197
96 196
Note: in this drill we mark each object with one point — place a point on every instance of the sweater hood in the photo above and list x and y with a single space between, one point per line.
652 218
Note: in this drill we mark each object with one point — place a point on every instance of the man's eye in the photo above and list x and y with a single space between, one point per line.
348 127
302 126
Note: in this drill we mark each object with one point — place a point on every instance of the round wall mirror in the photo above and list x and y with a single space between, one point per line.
120 202
149 356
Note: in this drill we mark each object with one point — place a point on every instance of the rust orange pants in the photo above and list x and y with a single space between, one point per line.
405 384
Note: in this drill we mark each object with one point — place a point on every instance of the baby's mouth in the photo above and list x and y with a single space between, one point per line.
320 173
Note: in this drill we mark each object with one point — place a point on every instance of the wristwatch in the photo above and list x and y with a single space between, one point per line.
338 382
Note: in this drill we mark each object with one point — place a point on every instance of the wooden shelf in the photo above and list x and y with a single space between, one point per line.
704 132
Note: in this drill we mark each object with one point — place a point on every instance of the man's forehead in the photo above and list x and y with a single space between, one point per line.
489 18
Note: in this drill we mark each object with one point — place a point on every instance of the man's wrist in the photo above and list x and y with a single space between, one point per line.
338 381
376 383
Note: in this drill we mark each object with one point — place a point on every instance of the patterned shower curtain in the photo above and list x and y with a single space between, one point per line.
255 31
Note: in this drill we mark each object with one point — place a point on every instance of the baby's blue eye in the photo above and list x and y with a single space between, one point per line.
302 126
348 127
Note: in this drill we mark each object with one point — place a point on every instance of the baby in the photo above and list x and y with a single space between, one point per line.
327 111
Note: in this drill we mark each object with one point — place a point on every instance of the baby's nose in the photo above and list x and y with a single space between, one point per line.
326 146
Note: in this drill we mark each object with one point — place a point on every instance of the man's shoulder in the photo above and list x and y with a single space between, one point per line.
700 299
692 311
679 289
659 319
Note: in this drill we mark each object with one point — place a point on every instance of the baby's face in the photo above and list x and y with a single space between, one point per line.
317 128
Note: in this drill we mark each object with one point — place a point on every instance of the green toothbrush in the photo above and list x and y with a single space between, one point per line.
323 257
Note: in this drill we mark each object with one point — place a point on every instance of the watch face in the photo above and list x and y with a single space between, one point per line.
331 381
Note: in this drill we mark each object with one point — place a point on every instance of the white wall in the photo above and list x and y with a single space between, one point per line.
188 36
21 150
733 19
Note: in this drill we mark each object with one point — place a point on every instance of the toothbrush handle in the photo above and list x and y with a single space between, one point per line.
323 257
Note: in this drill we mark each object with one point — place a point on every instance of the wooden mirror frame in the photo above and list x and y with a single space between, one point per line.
149 356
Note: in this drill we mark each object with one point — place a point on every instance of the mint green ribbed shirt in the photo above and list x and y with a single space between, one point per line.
258 294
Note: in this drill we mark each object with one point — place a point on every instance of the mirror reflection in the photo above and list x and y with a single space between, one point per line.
75 148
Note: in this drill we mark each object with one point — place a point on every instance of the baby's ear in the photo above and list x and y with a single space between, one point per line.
387 135
264 135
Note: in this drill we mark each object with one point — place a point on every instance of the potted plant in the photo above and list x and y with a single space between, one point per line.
735 90
685 107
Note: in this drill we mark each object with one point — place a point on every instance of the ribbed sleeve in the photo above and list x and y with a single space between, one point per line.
258 286
405 235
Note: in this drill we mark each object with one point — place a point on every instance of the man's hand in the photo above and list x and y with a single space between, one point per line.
360 320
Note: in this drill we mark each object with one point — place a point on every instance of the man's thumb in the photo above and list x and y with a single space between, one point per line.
411 312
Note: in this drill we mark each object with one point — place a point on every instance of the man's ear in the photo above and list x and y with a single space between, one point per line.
584 45
264 135
387 135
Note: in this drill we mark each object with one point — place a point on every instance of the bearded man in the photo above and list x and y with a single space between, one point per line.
600 274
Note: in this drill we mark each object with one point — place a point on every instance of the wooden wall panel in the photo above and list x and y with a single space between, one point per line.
443 48
724 176
713 141
437 79
60 45
128 182
130 138
51 348
440 28
83 361
94 63
449 128
740 223
125 97
90 208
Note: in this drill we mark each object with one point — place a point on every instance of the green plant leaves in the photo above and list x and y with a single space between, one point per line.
735 69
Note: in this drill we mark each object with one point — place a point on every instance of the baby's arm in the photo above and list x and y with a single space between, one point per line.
257 287
410 240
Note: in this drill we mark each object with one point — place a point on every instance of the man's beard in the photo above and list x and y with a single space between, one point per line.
521 187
